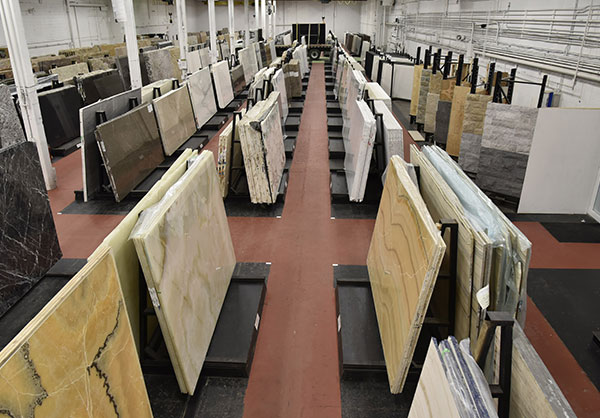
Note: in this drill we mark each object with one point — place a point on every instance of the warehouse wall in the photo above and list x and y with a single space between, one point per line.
531 34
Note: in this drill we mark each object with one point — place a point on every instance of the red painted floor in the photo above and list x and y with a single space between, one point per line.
295 369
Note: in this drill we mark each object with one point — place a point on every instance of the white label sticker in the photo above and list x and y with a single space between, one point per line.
483 297
149 108
339 323
256 322
154 297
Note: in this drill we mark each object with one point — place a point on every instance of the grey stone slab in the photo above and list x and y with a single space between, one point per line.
509 127
423 90
28 240
470 148
502 172
158 64
442 122
175 118
11 131
90 154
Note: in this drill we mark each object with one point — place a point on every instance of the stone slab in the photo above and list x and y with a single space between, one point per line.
442 121
416 89
175 118
193 61
358 146
376 92
11 131
158 64
248 63
202 96
392 132
501 171
67 72
423 90
431 109
60 108
222 80
455 126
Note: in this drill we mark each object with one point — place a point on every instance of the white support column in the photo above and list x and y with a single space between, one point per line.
257 14
133 53
274 19
247 31
212 25
270 21
263 17
230 7
182 35
12 22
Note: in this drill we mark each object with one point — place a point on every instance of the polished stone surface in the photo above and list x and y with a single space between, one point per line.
205 57
392 132
131 149
404 258
163 86
175 118
28 241
238 79
90 154
248 61
278 81
158 64
193 61
67 72
376 92
259 60
11 131
186 252
77 357
202 96
223 86
263 149
359 148
293 80
442 121
60 109
100 84
423 90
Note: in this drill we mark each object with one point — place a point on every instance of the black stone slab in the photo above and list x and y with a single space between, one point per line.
101 206
99 86
574 232
401 109
442 122
568 299
28 241
60 114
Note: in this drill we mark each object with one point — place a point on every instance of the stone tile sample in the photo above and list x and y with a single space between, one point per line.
77 355
431 109
403 261
261 138
131 149
292 76
59 108
392 132
278 81
90 153
248 62
442 121
205 57
423 90
164 86
67 72
455 126
175 118
376 92
359 148
28 240
122 247
238 79
11 131
202 96
185 249
194 62
223 87
470 144
158 64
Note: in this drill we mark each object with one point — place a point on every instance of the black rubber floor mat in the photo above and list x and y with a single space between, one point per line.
574 232
568 299
100 207
370 397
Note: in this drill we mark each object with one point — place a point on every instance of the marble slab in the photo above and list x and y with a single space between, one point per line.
278 81
205 57
416 89
263 54
194 63
261 137
11 131
442 121
229 153
158 64
131 149
59 108
366 45
392 132
202 96
472 130
67 72
123 249
238 80
186 252
223 87
359 148
164 87
175 118
423 90
259 61
90 153
376 92
77 355
457 114
248 63
271 45
403 261
175 56
28 240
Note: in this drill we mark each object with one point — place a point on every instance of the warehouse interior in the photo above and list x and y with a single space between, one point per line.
299 208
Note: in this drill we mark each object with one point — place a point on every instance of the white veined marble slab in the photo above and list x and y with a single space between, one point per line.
202 96
223 85
205 57
185 249
359 148
194 62
392 132
247 58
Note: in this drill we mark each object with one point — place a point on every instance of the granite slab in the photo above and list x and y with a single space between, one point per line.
186 252
101 63
158 64
222 80
77 355
263 54
60 109
131 149
11 130
99 84
67 72
442 121
175 118
359 148
28 240
392 132
202 96
248 62
90 153
404 258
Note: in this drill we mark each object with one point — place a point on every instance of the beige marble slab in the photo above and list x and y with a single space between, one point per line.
67 72
185 249
223 86
403 261
77 357
175 118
